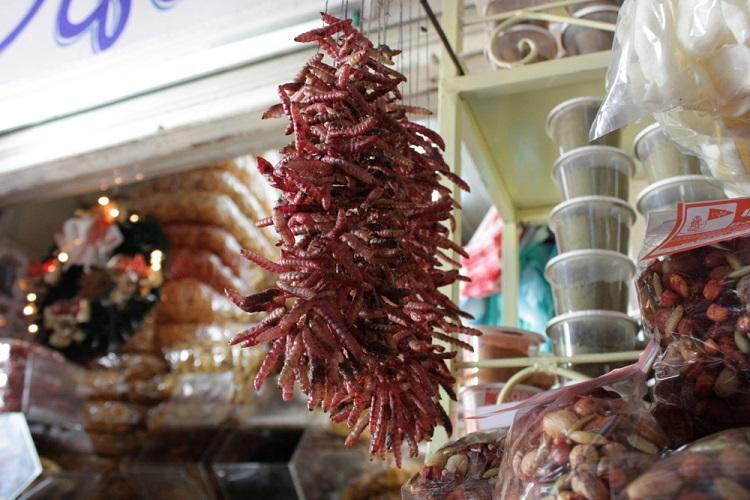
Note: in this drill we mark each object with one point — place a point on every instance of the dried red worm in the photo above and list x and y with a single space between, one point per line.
357 304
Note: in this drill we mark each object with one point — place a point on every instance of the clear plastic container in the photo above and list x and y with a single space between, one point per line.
590 279
578 40
572 9
589 332
496 343
660 157
668 193
569 122
19 461
600 222
594 171
254 463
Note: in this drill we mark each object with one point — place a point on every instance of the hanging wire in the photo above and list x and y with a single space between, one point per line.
401 46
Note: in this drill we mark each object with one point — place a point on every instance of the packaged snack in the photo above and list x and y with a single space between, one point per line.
201 207
111 416
245 169
210 238
212 180
694 292
104 384
466 468
178 335
133 366
115 445
588 439
190 301
203 266
717 466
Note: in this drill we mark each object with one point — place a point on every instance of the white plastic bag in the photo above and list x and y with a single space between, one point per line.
687 63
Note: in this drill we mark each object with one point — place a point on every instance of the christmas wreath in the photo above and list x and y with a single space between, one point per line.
99 282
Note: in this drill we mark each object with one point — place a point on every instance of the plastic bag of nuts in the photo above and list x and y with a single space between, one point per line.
696 303
584 441
466 468
717 466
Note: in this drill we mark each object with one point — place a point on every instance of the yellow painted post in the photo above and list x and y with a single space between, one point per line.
511 273
449 123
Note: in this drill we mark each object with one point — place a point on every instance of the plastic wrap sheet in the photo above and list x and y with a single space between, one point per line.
695 302
206 267
465 468
588 439
190 301
687 63
717 466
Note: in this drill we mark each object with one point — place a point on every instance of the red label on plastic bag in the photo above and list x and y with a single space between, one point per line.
704 223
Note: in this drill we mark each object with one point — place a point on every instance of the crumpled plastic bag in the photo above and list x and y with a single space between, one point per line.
687 63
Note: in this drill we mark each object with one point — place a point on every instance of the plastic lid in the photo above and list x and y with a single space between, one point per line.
610 155
709 182
588 254
651 129
592 200
587 11
578 101
590 314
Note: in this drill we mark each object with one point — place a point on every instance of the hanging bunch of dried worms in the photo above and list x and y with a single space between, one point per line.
364 249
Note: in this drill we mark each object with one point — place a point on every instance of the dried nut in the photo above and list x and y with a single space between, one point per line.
656 282
742 342
562 483
693 495
589 486
559 453
735 463
491 472
581 422
642 444
585 437
613 450
566 495
516 462
729 489
674 319
652 432
529 463
585 406
693 466
558 422
677 283
655 484
717 313
583 454
458 463
726 383
437 459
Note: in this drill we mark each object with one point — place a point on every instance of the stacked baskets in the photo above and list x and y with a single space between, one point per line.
591 277
673 176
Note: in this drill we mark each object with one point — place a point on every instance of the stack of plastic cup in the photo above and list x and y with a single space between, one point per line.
672 175
591 276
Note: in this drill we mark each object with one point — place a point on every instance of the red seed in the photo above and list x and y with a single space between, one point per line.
717 313
712 290
669 298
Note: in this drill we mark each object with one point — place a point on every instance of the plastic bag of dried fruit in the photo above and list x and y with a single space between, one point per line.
694 292
466 468
714 467
587 440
